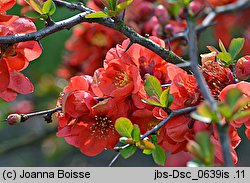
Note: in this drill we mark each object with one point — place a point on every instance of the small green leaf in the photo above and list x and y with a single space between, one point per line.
212 49
32 14
225 110
136 134
147 151
152 102
236 46
154 139
153 86
174 9
204 110
225 57
159 155
123 5
99 14
164 97
198 117
52 9
128 151
124 127
222 47
113 4
170 99
203 139
232 96
36 5
46 6
241 114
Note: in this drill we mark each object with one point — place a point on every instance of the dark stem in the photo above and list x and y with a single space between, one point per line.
193 52
47 114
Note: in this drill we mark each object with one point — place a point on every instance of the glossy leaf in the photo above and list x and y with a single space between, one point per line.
232 96
164 97
145 144
153 86
159 155
225 110
225 57
123 5
98 14
236 46
147 151
198 117
46 6
52 9
152 102
241 114
128 151
136 134
36 5
222 47
124 127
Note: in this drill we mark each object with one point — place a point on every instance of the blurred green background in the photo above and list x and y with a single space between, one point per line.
34 143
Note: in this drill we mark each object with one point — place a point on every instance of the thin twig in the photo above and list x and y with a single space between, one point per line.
157 127
193 52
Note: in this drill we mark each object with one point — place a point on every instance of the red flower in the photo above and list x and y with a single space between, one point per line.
6 4
118 78
93 135
220 2
244 87
12 82
20 54
216 75
242 68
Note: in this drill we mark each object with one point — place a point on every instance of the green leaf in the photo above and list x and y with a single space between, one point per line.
232 96
36 5
46 6
164 97
32 14
136 134
99 14
154 139
225 57
236 46
170 99
159 155
128 151
222 47
203 139
241 114
172 1
212 49
225 110
52 9
198 117
174 9
205 110
153 86
147 151
124 127
123 5
113 4
152 102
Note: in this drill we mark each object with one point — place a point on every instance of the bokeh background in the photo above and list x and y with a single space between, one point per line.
34 143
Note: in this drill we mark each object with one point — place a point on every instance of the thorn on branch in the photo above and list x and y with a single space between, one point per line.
129 45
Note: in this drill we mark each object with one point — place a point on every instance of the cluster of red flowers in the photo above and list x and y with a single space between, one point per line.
15 57
91 105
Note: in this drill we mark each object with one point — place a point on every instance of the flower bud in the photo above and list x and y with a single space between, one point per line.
162 15
242 68
12 119
195 7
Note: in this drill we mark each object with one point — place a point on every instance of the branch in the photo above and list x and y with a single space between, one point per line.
156 128
116 24
193 52
211 14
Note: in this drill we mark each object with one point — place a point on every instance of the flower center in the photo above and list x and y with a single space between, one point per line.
121 79
102 126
